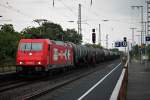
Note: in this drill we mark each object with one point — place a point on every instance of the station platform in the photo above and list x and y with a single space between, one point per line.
138 81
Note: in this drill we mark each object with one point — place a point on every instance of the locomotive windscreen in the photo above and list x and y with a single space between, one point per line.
30 46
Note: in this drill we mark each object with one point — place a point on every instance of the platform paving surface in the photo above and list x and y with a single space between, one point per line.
138 81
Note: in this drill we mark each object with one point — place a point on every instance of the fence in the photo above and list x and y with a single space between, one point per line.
119 92
7 68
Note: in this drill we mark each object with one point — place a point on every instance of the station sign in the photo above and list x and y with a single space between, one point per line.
124 44
120 44
147 38
117 44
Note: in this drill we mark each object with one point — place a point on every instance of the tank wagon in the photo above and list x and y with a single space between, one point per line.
43 55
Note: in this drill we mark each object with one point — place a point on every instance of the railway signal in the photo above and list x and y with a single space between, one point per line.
124 43
125 39
93 36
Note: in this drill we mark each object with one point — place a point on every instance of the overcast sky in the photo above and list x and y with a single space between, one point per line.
119 14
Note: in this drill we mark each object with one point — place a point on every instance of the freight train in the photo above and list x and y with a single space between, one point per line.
43 55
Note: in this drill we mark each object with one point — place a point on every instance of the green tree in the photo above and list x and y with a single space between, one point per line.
8 44
115 50
93 45
135 52
52 31
31 32
72 36
7 28
148 51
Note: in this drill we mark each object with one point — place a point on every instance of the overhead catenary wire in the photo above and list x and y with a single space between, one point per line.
68 8
72 11
14 9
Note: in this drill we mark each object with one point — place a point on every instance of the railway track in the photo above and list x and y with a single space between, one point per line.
17 82
49 88
43 86
13 85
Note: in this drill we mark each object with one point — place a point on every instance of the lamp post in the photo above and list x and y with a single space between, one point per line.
133 34
105 20
0 25
71 21
99 35
132 44
107 41
140 7
145 28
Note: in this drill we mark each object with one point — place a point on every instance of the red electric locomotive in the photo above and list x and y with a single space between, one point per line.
38 55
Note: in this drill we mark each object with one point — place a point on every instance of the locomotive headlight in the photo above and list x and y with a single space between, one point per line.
30 54
39 63
20 62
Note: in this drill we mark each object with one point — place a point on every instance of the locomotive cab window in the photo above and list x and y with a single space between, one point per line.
48 47
30 46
